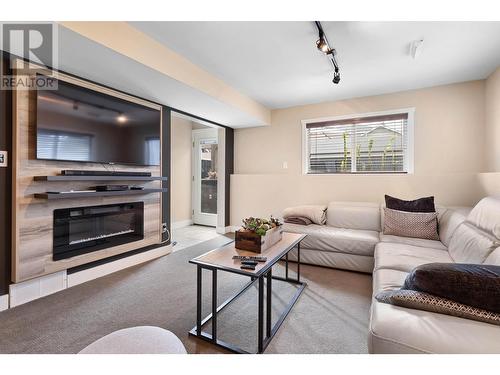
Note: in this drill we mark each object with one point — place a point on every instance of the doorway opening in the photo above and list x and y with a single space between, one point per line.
194 185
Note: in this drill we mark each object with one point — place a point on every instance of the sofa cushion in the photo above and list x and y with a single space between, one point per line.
413 241
425 204
448 221
354 215
475 285
387 279
351 262
404 257
428 302
325 238
471 245
493 258
486 216
411 224
398 329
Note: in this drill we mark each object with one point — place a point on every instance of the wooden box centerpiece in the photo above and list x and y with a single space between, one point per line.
258 235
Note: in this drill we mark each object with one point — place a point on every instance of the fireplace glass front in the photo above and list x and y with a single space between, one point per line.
82 230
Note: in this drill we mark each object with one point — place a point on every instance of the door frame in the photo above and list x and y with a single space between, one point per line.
201 218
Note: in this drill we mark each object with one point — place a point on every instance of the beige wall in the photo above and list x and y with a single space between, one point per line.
489 182
449 154
492 117
180 197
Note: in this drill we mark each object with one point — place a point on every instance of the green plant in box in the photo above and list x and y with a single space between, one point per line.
260 226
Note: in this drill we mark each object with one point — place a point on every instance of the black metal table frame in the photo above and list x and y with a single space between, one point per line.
264 273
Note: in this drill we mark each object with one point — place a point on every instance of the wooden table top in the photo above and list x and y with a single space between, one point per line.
222 258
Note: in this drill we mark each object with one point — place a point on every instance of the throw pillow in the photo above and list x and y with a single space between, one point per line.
425 204
411 224
427 302
476 285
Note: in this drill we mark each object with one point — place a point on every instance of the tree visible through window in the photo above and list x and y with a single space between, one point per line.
371 144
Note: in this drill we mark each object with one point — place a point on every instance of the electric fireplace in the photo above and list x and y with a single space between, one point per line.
82 230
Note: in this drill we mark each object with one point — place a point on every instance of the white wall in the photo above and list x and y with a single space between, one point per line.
449 154
180 196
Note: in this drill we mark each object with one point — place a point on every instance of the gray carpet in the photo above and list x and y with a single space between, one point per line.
331 316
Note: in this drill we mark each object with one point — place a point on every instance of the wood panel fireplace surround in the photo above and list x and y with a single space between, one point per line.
51 235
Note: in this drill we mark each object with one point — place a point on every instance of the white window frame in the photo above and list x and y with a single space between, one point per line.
408 160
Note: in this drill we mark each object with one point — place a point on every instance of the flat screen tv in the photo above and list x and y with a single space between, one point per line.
74 123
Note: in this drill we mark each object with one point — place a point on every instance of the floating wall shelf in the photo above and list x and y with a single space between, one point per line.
85 194
98 178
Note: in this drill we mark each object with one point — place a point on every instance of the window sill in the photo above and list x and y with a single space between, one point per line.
356 173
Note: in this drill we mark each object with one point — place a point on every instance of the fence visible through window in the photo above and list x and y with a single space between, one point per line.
372 144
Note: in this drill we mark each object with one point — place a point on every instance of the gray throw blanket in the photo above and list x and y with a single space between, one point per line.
298 220
315 213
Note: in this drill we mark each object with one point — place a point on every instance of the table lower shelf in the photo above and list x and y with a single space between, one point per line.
263 341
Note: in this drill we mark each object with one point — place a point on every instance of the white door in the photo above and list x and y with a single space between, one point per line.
205 149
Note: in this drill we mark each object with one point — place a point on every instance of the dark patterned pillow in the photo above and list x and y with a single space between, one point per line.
476 285
411 224
425 204
427 302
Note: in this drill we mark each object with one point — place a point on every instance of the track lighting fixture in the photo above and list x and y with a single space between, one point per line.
323 46
336 77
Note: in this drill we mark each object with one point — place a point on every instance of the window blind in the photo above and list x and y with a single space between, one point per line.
374 144
54 144
152 156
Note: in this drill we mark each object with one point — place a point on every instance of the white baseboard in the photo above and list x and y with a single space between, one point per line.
120 264
30 290
4 302
181 224
224 230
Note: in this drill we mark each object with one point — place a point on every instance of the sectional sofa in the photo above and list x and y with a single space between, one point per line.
353 239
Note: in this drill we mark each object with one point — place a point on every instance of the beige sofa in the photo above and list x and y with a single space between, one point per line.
352 239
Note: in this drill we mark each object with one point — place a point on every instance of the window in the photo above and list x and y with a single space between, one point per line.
61 145
370 143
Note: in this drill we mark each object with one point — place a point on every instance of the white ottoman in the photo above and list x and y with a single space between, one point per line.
137 340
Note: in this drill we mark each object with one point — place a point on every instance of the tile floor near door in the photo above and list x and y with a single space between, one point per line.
192 235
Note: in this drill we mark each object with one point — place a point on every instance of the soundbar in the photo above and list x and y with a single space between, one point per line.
77 172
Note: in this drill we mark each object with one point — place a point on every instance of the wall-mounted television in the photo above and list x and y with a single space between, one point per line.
75 123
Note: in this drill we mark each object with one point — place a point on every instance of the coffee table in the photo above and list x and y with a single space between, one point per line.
221 260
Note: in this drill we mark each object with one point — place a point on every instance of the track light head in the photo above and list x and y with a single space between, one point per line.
322 45
336 78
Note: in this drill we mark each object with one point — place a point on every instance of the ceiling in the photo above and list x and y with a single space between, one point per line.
90 60
277 64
